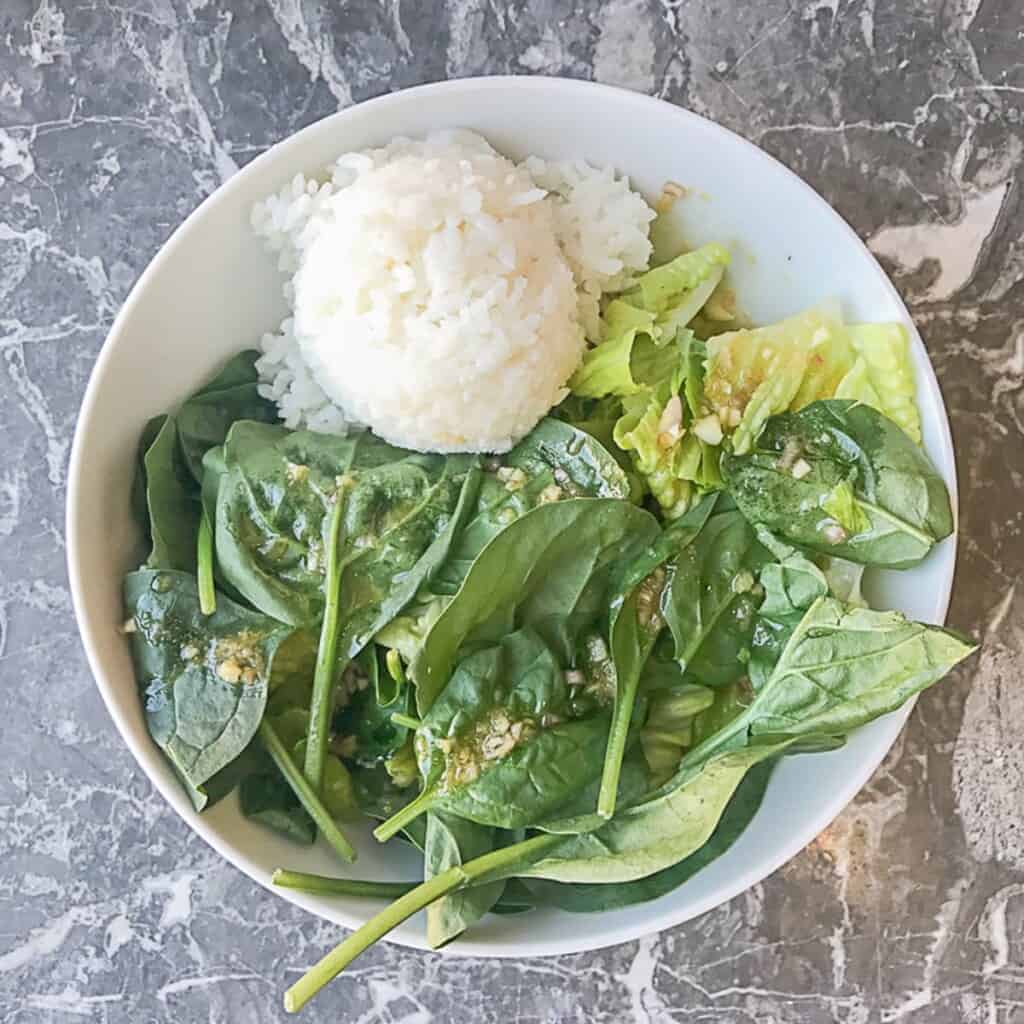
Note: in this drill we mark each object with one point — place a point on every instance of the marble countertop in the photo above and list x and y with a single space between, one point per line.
116 118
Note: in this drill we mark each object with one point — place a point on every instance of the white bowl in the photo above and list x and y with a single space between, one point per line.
212 291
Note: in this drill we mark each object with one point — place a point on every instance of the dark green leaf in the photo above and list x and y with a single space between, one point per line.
401 509
554 461
499 746
171 501
267 798
205 418
842 479
139 499
551 570
711 599
587 898
204 678
451 841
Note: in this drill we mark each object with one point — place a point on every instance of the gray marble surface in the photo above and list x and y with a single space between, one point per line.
116 118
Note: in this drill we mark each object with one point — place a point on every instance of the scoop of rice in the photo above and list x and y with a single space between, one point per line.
433 302
439 291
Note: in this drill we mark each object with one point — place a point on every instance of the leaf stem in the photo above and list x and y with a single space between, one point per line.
407 721
498 864
323 677
204 566
402 817
616 748
376 928
305 792
303 882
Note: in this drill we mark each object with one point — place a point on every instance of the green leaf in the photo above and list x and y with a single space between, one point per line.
846 666
637 617
368 722
607 368
806 466
669 728
840 668
841 504
711 599
671 285
205 418
792 583
401 511
204 678
451 842
882 375
658 832
266 798
594 897
501 744
139 499
555 461
171 502
756 373
549 570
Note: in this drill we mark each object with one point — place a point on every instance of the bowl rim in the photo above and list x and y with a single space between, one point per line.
598 939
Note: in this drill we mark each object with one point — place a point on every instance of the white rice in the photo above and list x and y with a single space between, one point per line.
458 325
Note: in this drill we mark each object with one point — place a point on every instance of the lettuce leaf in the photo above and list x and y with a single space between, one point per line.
637 326
638 432
606 368
754 374
757 372
882 375
669 287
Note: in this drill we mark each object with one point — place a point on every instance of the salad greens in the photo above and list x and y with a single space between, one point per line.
563 674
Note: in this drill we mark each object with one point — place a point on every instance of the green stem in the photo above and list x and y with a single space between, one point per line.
407 721
307 796
615 751
376 928
204 566
502 863
402 817
323 677
625 698
303 882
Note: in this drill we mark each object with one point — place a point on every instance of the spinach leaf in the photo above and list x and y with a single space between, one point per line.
593 897
579 814
205 418
500 745
669 727
250 762
597 417
204 678
791 583
450 842
841 667
549 570
840 478
401 511
711 599
365 723
265 797
637 616
554 461
379 797
139 498
170 499
728 702
657 833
